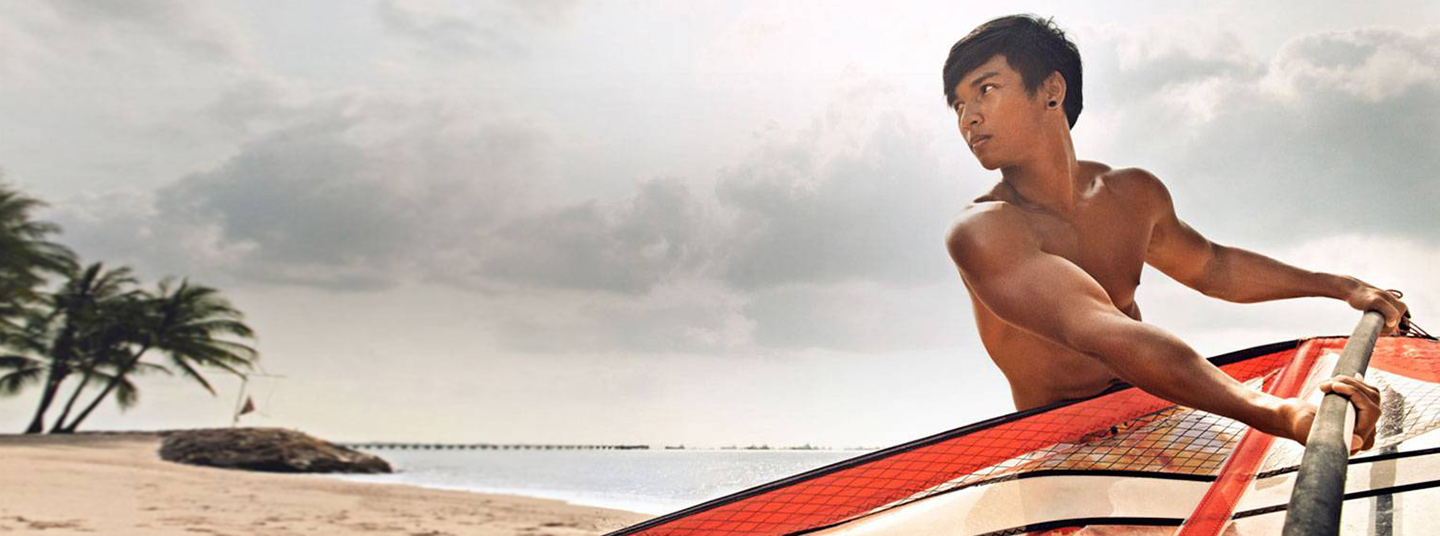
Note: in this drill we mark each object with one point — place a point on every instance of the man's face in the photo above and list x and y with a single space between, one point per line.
998 117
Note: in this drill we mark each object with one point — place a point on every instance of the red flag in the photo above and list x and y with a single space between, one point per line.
249 406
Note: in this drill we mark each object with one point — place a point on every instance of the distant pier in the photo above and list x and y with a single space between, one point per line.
486 446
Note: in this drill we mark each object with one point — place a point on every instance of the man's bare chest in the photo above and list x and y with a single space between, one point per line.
1107 242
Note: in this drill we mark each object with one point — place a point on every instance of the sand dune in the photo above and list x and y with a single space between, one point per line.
116 484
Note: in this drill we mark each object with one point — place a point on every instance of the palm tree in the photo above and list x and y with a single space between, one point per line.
76 309
25 369
188 324
109 338
25 258
25 254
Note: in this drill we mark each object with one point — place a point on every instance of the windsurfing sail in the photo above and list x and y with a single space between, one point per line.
1123 462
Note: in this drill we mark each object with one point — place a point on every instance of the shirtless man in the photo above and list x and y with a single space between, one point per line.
1052 254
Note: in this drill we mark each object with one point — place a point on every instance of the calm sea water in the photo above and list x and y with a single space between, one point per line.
647 481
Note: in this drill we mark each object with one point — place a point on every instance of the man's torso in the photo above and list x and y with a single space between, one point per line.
1106 236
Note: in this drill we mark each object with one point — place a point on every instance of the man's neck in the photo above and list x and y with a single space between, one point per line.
1047 181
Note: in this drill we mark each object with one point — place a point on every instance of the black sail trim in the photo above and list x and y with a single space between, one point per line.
1393 490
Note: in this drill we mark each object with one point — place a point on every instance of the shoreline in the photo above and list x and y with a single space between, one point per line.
116 483
677 499
568 498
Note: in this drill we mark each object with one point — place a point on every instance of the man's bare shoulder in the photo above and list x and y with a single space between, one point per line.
1137 184
1092 168
1122 180
987 225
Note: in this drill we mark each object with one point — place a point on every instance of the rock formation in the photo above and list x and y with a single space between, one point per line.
266 449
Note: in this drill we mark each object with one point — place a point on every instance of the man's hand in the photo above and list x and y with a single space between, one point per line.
1364 297
1365 397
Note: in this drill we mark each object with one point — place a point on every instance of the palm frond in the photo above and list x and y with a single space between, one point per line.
187 370
18 362
126 394
12 383
151 368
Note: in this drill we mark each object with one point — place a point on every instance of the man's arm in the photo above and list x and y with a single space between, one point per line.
1053 298
1241 276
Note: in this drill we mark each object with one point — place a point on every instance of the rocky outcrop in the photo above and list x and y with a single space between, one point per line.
273 450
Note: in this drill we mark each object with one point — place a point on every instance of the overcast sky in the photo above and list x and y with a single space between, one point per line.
667 222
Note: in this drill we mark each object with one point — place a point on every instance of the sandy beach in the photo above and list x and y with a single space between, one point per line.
116 484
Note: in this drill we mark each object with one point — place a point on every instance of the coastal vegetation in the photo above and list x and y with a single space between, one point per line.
81 333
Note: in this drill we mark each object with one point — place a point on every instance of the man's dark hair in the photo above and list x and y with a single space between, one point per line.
1034 47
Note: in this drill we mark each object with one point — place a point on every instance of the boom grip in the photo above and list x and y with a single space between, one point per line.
1320 484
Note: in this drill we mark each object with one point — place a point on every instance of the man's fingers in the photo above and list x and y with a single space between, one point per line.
1400 309
1366 400
1354 384
1357 395
1392 315
1370 391
1349 387
1394 311
1396 302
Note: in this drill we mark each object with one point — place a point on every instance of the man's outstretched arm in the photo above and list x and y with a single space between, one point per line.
1242 276
1051 297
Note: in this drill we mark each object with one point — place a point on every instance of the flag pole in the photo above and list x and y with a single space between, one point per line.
235 415
1315 503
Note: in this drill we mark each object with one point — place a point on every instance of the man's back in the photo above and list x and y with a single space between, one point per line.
1106 235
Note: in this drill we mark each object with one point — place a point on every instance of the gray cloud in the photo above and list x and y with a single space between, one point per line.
692 316
1336 131
108 29
313 209
654 236
821 238
812 240
859 195
347 193
468 30
360 194
861 316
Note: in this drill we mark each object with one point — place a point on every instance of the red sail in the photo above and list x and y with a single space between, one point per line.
1124 432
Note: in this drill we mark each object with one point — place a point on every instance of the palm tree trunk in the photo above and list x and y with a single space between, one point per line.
61 355
52 385
57 429
114 382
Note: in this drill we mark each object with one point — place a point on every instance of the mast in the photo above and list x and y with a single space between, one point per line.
1320 485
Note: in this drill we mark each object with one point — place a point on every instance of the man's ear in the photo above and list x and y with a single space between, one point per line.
1053 89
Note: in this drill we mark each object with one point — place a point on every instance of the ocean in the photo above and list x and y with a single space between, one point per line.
646 481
